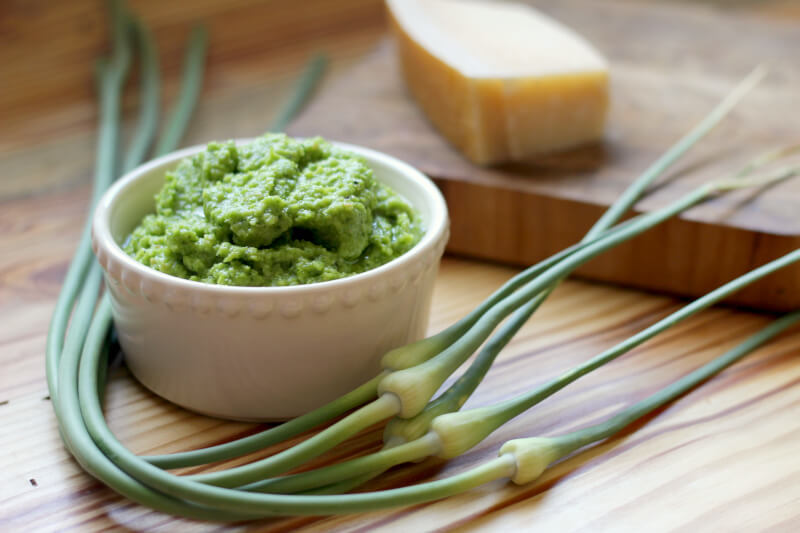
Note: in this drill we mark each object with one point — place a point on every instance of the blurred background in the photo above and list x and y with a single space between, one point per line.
49 49
47 105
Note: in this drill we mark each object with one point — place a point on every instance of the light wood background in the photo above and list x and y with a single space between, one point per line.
723 458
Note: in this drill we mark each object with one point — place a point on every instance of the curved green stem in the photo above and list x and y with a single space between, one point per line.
475 425
629 197
415 386
84 428
423 350
191 84
366 392
514 407
380 409
149 97
379 461
112 75
577 439
96 460
144 482
407 429
344 486
303 89
534 455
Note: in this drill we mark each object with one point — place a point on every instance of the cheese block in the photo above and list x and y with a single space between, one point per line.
501 81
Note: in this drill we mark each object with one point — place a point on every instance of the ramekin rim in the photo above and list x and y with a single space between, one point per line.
435 231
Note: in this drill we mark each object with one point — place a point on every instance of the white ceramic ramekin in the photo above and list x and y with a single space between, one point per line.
263 353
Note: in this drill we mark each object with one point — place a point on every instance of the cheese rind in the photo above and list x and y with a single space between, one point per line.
501 81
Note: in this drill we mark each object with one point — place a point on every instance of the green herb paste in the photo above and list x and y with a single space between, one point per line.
277 211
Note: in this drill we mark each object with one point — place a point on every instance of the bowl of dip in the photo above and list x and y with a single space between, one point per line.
277 283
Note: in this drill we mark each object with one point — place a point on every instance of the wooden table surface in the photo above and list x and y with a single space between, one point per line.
722 458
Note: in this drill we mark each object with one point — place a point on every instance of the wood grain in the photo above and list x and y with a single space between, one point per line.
691 458
668 71
722 458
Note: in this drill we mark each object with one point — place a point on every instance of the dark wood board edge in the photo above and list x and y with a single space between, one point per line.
682 257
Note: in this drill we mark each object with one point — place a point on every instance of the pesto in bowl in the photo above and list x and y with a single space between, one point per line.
276 211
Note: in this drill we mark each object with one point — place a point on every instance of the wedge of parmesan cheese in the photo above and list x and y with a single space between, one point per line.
500 80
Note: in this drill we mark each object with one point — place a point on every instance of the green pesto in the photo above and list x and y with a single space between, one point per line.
276 211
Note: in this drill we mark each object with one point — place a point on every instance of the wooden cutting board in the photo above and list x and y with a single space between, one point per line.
670 64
